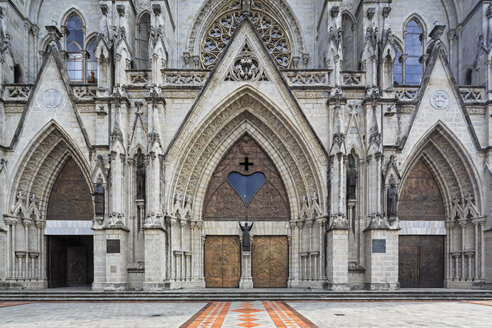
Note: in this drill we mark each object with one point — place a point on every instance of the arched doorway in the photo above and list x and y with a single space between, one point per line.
421 246
246 186
70 245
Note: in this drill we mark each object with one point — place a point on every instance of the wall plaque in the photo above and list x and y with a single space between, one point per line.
112 246
379 245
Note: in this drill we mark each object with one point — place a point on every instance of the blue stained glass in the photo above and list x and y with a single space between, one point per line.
413 48
246 185
397 69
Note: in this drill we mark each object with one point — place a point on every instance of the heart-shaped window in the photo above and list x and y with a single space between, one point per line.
246 185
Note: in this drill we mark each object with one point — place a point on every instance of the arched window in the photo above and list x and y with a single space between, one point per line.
91 62
142 37
413 50
397 67
74 47
348 43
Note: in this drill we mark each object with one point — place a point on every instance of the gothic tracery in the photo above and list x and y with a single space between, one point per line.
223 26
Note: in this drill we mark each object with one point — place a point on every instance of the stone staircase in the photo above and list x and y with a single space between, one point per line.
204 295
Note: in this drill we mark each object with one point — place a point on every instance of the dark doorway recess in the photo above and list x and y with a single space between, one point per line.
421 261
70 261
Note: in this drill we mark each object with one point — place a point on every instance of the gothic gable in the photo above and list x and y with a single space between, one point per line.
51 100
439 103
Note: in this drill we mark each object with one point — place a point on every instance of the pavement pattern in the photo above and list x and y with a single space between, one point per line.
307 314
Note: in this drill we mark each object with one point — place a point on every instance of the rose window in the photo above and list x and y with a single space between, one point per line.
219 34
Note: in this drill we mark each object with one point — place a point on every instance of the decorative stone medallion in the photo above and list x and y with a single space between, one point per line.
439 99
51 98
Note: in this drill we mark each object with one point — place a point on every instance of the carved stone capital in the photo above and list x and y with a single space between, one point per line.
338 222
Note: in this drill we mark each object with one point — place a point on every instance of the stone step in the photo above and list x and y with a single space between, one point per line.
84 296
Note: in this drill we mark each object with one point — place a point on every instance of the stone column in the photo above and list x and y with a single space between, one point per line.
99 254
487 263
337 255
27 223
155 257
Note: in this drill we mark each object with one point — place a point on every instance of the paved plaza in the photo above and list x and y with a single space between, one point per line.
248 314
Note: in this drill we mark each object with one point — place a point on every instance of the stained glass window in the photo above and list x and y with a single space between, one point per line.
246 185
91 62
413 49
142 38
223 26
74 46
397 68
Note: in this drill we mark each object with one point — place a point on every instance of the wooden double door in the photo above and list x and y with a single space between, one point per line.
270 261
269 257
70 261
421 261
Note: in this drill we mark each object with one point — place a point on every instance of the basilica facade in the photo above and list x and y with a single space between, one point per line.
162 144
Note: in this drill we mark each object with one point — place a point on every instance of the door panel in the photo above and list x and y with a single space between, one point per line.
431 261
222 261
270 266
77 264
408 264
421 261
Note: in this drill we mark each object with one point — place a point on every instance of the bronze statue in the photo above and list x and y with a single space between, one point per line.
98 198
140 176
246 245
351 178
392 200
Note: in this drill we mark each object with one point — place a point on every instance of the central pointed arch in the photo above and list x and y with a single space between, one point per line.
192 168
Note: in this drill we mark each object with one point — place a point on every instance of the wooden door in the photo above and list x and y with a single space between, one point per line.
421 261
76 265
222 261
57 261
270 261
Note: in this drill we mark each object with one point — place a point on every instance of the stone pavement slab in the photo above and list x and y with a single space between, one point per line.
266 314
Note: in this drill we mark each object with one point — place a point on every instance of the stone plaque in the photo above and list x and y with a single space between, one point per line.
51 98
113 246
439 99
379 245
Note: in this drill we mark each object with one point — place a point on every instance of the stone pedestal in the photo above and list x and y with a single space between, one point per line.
116 259
3 257
246 279
155 259
381 255
337 258
487 269
99 259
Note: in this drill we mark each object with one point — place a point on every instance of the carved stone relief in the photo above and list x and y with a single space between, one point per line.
439 99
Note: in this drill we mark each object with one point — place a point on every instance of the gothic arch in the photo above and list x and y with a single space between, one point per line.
419 21
212 8
451 166
43 159
73 11
245 114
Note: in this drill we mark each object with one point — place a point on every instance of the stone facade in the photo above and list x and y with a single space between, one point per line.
325 88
